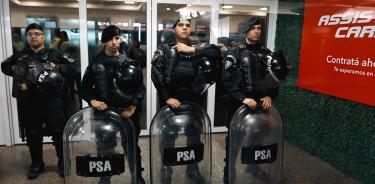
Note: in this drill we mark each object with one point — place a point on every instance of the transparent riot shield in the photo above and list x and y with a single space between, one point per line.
255 146
99 147
181 145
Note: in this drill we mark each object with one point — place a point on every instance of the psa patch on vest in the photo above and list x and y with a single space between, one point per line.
183 155
259 154
97 166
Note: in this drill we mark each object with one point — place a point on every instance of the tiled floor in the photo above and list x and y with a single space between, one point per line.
298 167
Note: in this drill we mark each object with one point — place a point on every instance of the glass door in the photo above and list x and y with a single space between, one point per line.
216 22
167 12
231 15
61 27
132 19
6 132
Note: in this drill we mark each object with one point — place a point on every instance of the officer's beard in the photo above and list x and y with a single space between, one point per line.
112 51
36 46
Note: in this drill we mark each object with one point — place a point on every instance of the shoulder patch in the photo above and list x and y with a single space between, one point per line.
227 64
160 52
71 60
230 61
203 45
240 45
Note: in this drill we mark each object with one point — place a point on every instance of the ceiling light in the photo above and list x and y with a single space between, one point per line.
264 9
129 2
167 9
227 7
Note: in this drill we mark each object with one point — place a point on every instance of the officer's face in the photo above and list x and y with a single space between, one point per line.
35 38
113 44
253 35
183 29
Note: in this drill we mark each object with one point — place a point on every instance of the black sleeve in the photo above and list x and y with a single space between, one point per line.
230 75
273 93
7 65
157 72
208 50
66 68
87 84
140 92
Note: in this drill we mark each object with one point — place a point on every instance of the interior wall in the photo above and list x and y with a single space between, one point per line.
338 131
19 14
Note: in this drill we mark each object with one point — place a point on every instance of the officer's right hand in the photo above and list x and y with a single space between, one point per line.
99 105
250 102
174 103
19 70
181 47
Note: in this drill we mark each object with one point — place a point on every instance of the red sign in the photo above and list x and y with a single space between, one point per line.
338 49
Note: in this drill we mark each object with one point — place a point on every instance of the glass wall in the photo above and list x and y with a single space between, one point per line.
131 18
231 17
168 14
61 31
317 121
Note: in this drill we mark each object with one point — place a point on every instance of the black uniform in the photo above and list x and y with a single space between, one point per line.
242 76
182 76
40 113
97 83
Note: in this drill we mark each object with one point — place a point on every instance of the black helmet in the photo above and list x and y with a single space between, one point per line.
209 69
278 64
47 79
277 69
128 76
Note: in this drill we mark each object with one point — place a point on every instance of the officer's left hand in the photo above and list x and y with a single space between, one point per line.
128 111
54 66
266 102
184 48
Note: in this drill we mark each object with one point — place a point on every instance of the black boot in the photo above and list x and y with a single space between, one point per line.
254 174
60 165
58 143
229 179
166 174
105 180
36 153
140 179
193 174
226 172
35 170
226 160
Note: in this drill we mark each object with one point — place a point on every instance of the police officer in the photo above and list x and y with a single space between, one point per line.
125 94
180 72
248 75
38 84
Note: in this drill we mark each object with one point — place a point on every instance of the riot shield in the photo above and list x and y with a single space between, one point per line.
255 146
99 147
180 145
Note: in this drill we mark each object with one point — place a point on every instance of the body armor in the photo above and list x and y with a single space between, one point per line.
247 70
118 80
191 71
